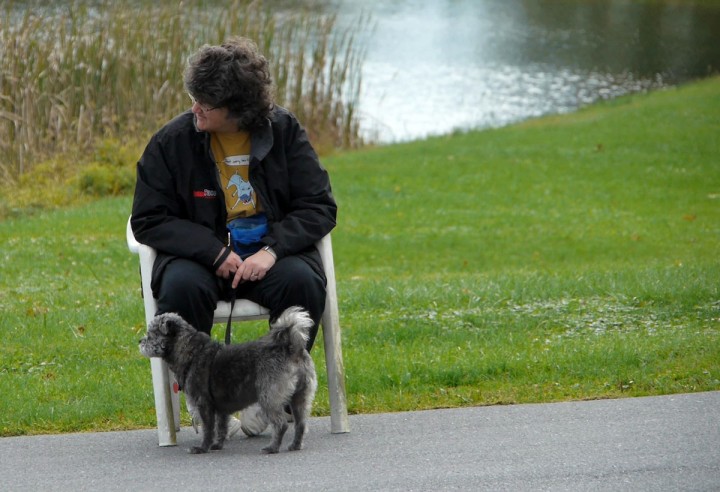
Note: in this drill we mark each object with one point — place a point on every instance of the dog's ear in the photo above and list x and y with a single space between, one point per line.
170 324
164 324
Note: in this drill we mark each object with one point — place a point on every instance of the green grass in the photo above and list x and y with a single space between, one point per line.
569 257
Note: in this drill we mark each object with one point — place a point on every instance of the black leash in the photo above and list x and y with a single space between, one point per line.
228 329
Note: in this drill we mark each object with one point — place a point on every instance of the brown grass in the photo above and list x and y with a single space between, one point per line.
71 76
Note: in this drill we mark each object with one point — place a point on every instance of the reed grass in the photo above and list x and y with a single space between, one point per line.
72 75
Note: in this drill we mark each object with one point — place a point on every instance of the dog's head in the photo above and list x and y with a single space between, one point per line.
161 335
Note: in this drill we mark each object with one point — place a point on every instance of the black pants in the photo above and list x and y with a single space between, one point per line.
193 291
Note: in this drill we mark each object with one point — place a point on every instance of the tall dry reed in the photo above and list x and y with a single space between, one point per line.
72 75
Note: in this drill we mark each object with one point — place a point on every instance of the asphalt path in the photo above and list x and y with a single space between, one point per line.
656 443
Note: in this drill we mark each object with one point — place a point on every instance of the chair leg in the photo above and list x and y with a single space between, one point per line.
163 403
335 369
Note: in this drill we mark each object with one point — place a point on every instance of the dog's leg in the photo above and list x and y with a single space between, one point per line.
208 428
276 417
300 406
194 414
221 433
300 430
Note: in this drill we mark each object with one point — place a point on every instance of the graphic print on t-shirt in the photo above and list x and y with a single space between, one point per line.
243 191
239 193
232 156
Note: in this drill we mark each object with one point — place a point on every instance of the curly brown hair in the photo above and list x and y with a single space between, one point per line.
234 75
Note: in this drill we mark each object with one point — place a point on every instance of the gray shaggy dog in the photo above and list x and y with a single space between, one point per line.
274 371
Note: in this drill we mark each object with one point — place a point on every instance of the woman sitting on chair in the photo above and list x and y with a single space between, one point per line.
233 197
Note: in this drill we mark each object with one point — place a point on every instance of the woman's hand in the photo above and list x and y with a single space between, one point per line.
254 267
231 265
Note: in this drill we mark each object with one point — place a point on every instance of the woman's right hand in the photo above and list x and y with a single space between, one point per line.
229 266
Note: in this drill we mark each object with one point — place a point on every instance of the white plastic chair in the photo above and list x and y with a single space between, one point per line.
165 388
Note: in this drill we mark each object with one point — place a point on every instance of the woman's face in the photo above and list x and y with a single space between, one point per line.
210 119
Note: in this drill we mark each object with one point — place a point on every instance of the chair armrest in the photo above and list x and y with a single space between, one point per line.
324 247
132 243
147 254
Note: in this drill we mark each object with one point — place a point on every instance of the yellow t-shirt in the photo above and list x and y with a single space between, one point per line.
232 157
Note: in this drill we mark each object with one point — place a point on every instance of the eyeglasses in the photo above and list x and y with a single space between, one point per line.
203 108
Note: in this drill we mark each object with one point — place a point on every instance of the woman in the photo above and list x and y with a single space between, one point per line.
234 166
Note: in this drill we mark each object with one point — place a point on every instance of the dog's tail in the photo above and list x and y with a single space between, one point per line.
292 328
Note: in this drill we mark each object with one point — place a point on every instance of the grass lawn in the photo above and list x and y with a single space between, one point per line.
568 257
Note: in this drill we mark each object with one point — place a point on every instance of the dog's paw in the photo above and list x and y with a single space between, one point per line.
270 450
216 446
295 447
197 450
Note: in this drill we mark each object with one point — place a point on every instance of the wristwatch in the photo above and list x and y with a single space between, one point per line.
270 250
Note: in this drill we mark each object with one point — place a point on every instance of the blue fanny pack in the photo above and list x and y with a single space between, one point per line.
246 233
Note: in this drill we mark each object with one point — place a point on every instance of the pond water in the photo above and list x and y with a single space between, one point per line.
433 66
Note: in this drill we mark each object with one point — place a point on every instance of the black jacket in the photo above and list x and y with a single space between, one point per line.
179 207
